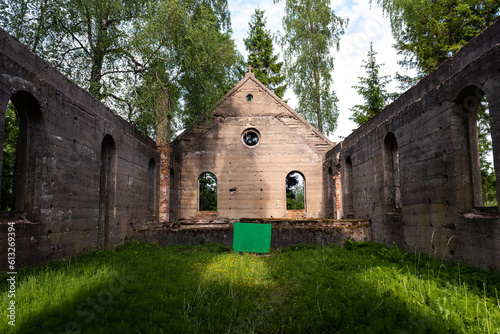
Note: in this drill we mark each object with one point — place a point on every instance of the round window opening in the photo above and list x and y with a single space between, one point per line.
249 97
250 137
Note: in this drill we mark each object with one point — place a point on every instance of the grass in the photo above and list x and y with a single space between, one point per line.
361 288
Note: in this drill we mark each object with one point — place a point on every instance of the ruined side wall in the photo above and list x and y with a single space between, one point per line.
250 180
435 146
63 199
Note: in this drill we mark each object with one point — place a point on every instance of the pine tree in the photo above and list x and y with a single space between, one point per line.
259 45
372 88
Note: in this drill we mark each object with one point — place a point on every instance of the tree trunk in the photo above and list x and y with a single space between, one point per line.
99 53
162 117
316 79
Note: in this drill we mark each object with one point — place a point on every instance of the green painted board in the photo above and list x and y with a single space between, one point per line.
252 238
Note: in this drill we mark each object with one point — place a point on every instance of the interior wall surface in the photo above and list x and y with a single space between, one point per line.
422 149
87 173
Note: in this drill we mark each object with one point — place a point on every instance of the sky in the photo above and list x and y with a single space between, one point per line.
366 24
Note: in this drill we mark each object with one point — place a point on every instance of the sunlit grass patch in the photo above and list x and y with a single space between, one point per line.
238 269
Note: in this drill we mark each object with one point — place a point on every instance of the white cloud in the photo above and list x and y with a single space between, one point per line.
365 25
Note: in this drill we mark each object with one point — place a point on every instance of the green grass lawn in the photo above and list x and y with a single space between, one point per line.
362 288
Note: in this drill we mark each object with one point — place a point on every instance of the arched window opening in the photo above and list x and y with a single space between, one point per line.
349 188
152 187
107 191
10 159
392 186
22 156
295 191
473 108
207 185
485 148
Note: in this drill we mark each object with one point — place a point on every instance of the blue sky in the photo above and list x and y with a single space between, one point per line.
365 25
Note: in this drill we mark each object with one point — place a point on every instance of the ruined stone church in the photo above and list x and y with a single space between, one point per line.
88 179
250 145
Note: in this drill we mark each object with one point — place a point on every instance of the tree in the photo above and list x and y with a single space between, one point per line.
311 30
186 61
30 21
259 45
429 32
134 55
206 79
372 88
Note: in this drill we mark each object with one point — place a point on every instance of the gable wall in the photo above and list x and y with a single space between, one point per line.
257 174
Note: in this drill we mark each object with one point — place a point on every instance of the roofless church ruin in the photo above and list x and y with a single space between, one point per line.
87 179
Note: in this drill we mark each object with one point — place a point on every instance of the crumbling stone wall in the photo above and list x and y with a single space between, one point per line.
413 169
283 233
85 174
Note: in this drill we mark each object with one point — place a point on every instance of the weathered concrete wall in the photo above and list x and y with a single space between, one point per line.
85 174
250 180
283 233
429 133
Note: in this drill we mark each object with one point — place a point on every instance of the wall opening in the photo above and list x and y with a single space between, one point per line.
295 191
107 192
22 156
250 137
485 146
171 192
10 159
349 189
207 185
392 185
476 149
152 188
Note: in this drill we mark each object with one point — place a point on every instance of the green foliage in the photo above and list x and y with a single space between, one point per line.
428 32
259 45
488 178
350 244
142 288
311 30
208 192
9 159
210 64
295 191
30 21
372 88
140 57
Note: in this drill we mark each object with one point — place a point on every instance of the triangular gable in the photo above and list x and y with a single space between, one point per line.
312 136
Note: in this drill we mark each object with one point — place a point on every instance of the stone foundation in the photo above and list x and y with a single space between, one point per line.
284 233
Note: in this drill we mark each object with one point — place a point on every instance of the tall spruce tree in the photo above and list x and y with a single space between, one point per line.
259 45
312 30
372 88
